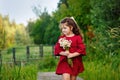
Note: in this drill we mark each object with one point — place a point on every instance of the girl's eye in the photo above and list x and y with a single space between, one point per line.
64 28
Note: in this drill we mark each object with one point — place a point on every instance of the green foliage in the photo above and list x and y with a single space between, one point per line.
80 9
30 27
98 66
102 60
39 28
12 34
102 15
22 38
51 35
104 44
96 70
113 40
13 72
2 35
47 64
103 49
105 13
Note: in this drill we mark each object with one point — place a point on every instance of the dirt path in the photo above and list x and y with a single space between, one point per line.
50 76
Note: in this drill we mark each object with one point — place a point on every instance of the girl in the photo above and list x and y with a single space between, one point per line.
70 34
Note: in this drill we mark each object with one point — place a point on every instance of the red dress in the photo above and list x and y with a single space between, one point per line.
76 46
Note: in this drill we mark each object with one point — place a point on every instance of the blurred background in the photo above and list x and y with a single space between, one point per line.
32 23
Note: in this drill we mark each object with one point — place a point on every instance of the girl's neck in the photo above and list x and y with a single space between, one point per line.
70 35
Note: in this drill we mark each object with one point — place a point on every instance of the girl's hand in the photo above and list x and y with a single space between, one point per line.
70 55
64 53
67 53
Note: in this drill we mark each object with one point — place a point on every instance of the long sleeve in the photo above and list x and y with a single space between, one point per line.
80 46
57 49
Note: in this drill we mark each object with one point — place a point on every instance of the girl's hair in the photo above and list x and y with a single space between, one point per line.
70 21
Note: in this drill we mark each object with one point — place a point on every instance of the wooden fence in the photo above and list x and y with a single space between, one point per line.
40 52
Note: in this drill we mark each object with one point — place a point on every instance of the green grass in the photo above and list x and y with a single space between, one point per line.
27 71
47 64
94 70
20 54
97 71
107 68
17 72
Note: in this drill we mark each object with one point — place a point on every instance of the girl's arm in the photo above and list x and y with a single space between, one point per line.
58 51
71 55
64 53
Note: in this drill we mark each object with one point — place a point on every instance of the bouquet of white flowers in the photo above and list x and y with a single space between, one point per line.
66 45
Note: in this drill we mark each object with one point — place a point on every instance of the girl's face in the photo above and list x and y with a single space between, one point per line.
66 30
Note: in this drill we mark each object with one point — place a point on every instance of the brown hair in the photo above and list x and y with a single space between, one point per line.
71 22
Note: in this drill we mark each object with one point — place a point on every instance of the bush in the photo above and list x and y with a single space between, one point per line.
47 64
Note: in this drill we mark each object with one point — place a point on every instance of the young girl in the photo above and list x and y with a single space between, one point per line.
70 35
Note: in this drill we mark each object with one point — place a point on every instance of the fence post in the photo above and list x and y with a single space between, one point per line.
53 51
14 58
27 52
41 50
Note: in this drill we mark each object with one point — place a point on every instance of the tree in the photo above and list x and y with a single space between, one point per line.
21 36
105 18
2 34
52 32
40 27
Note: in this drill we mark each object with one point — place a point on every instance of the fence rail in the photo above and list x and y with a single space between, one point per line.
25 53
